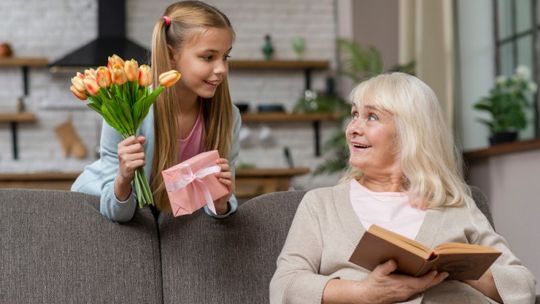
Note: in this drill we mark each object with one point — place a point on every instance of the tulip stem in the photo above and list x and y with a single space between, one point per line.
142 188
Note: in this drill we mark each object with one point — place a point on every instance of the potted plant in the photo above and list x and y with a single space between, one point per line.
506 104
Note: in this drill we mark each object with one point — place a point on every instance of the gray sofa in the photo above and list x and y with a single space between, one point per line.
57 248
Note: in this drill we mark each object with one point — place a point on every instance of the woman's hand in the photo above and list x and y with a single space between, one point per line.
381 286
226 178
130 157
384 287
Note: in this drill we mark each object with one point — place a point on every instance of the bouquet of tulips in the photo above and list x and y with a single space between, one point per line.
121 94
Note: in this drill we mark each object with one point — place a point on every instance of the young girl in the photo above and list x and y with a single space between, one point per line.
194 116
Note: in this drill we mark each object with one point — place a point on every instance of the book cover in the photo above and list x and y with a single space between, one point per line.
461 261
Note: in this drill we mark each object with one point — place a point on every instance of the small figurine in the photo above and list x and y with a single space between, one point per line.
267 48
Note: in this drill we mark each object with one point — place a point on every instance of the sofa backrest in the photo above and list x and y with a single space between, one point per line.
55 247
231 260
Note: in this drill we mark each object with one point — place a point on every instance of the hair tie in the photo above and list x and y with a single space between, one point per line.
167 20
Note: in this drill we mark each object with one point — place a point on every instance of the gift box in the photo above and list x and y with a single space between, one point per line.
193 183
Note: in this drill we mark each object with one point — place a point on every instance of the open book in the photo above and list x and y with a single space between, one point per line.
462 261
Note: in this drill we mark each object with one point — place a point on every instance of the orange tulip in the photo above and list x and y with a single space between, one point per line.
103 77
115 59
118 75
90 73
91 86
145 75
77 93
78 83
131 67
169 78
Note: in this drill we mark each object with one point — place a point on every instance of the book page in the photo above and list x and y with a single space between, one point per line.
401 241
451 248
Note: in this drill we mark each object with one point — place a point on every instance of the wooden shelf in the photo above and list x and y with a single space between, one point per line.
306 65
502 149
257 181
280 64
24 61
314 118
18 117
289 117
14 119
38 180
271 172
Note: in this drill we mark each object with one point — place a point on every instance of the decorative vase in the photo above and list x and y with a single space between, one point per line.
267 48
298 46
502 137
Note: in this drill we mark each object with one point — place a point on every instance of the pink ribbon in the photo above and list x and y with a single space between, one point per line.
187 177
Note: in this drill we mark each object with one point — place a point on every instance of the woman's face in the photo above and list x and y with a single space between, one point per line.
371 137
202 61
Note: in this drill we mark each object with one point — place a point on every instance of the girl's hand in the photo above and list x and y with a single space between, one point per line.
383 287
226 178
130 157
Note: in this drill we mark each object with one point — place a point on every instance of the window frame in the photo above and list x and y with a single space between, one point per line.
513 39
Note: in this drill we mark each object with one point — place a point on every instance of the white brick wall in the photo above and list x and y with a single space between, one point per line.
53 28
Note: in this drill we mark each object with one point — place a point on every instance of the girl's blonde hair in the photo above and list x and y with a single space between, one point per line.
185 17
431 163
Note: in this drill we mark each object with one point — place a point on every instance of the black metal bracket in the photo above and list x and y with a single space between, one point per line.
13 125
317 137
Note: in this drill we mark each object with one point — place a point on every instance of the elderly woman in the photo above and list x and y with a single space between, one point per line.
405 176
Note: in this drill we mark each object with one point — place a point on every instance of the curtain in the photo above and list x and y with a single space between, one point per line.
426 35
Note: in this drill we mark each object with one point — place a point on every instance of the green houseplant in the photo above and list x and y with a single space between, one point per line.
506 104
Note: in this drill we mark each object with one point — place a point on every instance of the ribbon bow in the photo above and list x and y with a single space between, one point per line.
187 177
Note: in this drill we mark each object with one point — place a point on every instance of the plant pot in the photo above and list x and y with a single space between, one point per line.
502 137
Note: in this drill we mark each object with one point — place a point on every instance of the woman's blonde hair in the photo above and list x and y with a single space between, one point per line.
431 163
185 17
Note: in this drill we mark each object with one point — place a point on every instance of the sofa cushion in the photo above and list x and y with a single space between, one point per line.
57 248
207 260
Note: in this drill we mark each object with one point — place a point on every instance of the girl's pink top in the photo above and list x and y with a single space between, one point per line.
193 144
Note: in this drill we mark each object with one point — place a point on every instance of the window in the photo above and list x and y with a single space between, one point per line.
516 29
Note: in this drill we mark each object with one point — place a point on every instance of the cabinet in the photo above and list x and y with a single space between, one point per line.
15 118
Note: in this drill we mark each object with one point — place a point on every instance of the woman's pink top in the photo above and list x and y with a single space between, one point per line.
390 210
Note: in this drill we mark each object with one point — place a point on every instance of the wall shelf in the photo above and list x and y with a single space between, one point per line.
24 63
306 65
314 118
502 149
280 64
289 117
14 119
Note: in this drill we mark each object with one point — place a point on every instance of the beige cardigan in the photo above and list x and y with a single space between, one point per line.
325 230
